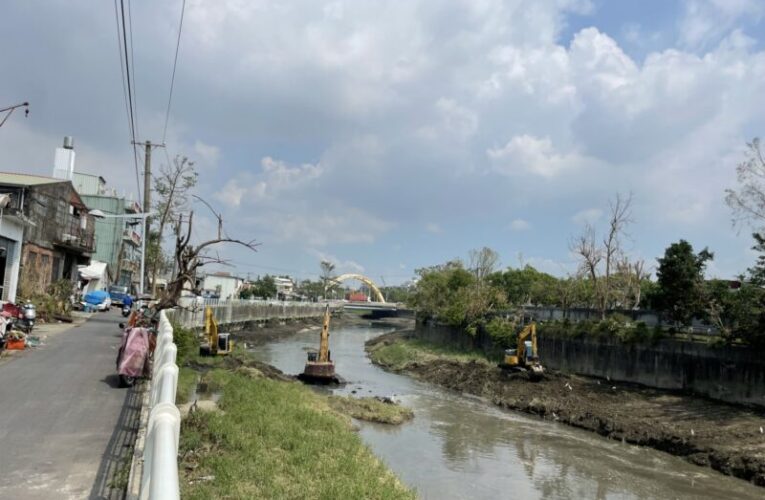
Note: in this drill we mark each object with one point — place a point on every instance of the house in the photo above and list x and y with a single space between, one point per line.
285 288
222 285
118 240
58 233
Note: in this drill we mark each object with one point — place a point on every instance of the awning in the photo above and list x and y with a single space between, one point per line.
95 271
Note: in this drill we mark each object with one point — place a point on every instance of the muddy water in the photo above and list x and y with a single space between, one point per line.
462 447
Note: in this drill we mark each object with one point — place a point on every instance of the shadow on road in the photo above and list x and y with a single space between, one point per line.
112 380
112 477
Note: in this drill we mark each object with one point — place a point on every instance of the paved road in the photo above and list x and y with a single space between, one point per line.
63 421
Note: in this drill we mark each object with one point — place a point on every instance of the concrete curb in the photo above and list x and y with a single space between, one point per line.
133 491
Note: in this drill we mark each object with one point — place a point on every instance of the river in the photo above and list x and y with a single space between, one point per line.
463 447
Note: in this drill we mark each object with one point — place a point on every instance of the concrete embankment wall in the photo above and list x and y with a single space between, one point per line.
242 313
732 374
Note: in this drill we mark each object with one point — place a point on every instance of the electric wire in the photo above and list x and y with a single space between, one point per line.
126 77
132 63
172 77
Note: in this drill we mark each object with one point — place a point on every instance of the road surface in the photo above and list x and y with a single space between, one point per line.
64 423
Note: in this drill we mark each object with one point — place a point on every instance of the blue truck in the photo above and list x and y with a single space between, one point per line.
118 293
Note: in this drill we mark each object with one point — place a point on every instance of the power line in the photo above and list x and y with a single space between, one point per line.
132 62
172 78
124 61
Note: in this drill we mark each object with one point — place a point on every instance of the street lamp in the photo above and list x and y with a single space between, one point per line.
143 216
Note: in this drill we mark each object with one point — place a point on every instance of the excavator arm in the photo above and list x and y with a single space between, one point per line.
211 330
324 343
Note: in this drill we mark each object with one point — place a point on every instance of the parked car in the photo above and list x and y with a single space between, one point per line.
97 299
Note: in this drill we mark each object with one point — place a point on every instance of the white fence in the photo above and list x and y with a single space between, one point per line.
159 473
243 311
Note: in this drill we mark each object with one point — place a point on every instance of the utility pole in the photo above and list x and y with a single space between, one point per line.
147 179
147 195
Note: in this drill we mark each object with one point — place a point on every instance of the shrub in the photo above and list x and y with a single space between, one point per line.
502 332
187 343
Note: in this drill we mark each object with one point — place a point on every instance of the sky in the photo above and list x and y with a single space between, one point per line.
387 136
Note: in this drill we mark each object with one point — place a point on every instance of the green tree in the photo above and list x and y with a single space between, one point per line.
681 279
735 312
264 288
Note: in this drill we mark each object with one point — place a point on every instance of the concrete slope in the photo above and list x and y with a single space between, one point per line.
63 421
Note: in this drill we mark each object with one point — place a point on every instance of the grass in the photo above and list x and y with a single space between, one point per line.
403 352
371 409
187 380
277 439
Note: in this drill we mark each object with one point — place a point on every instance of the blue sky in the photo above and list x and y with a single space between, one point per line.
387 136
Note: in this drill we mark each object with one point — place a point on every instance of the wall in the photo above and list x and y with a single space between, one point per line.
733 374
243 312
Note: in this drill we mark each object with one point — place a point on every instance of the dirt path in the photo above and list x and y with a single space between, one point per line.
728 438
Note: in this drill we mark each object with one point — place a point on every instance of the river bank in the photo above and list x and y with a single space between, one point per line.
258 433
727 438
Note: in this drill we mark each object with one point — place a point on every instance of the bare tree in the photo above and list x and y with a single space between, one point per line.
483 262
172 187
189 258
748 202
593 256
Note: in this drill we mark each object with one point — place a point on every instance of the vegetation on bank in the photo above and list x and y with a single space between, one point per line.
403 352
477 298
274 437
371 409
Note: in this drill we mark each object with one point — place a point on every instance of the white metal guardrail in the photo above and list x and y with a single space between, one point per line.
159 477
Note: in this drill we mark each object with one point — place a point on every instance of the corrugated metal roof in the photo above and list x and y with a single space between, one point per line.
16 179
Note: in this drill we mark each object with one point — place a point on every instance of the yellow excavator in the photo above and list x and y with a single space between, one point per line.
216 344
319 368
525 357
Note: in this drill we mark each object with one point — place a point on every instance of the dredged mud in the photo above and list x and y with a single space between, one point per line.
727 438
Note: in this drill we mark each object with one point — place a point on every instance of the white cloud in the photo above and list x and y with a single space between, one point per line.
587 216
207 153
519 225
526 153
706 21
308 225
341 266
433 228
275 180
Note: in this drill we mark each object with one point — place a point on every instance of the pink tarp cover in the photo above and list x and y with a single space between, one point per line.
133 352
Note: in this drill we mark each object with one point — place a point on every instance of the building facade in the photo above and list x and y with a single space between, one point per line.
58 232
222 285
118 240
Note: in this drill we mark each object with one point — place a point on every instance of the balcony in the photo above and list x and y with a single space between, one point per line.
74 237
131 237
131 266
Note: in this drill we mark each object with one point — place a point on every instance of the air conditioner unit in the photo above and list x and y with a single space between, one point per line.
68 237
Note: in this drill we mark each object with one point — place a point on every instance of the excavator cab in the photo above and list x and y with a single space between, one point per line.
525 357
216 344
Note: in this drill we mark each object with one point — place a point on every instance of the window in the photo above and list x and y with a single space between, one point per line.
31 259
54 276
45 259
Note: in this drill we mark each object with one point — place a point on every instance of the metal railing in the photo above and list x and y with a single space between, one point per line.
159 477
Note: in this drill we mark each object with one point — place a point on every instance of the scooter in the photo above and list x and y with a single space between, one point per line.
133 355
126 310
27 318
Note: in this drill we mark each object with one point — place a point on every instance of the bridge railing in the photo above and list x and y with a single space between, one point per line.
242 311
157 452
